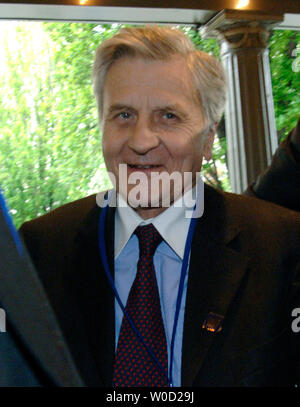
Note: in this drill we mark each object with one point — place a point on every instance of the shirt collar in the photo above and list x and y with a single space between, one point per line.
172 224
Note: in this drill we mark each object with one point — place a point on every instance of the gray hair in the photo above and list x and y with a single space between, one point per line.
162 43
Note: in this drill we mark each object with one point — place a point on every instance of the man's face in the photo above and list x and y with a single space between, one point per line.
151 117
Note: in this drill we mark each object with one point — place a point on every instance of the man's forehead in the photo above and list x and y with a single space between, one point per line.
137 68
161 83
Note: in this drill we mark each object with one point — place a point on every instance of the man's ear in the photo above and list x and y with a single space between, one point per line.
208 144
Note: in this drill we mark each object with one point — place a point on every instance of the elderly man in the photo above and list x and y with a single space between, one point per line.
148 294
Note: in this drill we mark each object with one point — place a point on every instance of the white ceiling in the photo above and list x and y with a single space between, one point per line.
118 14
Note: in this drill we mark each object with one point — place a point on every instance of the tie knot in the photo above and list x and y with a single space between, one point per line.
149 239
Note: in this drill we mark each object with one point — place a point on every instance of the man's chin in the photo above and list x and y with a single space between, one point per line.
149 201
148 204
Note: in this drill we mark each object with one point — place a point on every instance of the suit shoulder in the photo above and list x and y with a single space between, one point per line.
263 217
259 206
61 220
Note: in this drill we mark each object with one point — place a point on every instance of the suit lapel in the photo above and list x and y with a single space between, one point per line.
215 274
97 300
30 315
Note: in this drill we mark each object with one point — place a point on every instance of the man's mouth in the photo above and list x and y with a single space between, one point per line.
143 167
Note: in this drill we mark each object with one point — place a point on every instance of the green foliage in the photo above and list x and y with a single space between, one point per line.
209 45
50 146
284 49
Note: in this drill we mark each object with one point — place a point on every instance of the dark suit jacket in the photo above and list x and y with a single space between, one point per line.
280 182
33 351
244 266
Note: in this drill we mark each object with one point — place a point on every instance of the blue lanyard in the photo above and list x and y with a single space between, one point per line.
184 267
10 224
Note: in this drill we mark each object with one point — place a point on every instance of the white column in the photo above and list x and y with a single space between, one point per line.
250 120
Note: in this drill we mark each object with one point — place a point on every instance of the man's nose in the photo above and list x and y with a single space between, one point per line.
143 137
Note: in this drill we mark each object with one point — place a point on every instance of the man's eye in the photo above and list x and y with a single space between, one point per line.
124 115
169 116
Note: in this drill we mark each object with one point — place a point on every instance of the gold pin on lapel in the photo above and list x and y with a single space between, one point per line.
213 322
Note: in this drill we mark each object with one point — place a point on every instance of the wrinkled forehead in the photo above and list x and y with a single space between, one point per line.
133 77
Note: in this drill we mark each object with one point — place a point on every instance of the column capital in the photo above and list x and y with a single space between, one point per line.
241 29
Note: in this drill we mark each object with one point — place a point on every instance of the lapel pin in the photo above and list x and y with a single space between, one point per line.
213 322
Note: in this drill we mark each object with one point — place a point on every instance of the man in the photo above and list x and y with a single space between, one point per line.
229 295
280 182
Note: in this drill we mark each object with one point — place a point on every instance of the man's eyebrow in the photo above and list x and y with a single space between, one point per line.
176 107
118 106
172 106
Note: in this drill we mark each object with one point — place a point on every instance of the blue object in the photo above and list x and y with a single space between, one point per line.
11 226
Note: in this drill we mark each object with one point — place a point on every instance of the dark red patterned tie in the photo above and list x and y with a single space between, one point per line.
134 366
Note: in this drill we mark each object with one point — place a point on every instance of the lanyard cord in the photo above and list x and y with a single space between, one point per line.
102 248
184 267
10 225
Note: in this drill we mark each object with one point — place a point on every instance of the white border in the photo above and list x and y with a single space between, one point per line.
102 14
99 14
